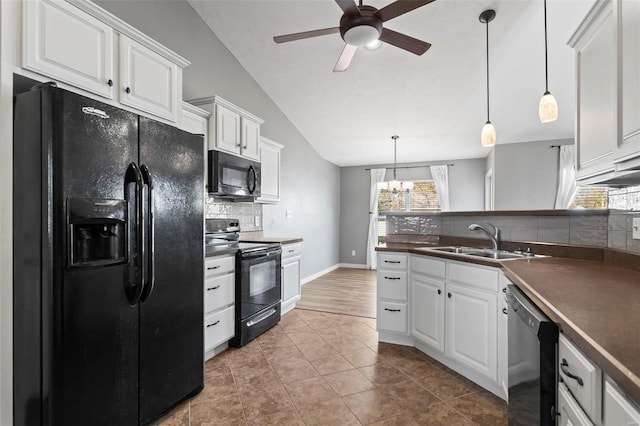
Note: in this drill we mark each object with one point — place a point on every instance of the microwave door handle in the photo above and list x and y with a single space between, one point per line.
150 276
135 286
252 179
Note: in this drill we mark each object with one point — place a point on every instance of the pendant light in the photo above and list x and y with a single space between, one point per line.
548 107
396 186
488 135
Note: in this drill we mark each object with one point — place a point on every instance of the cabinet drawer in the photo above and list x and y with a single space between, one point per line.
589 393
392 285
474 276
219 265
291 250
392 261
218 328
570 412
219 291
392 317
428 266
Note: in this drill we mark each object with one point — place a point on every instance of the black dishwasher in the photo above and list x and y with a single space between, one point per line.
533 341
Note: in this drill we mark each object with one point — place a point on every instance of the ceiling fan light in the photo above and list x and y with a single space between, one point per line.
488 136
375 44
361 35
548 108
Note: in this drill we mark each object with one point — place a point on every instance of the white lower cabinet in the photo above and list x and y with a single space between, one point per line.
219 303
570 413
290 280
618 409
472 328
392 315
427 303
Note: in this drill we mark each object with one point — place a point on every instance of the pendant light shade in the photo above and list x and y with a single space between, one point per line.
548 107
488 135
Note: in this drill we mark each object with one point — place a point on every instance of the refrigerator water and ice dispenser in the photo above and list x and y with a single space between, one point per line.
97 232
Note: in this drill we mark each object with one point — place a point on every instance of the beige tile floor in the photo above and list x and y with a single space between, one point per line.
318 368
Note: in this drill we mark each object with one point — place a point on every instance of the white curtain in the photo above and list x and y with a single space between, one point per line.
440 175
567 187
377 176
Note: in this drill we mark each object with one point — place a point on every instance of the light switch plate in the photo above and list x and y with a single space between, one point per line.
636 228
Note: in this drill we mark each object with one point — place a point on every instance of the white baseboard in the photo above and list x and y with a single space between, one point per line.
319 274
353 265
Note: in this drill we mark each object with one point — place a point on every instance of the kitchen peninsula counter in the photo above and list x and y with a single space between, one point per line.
258 237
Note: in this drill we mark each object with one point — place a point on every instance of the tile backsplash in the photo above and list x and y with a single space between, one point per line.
610 229
246 212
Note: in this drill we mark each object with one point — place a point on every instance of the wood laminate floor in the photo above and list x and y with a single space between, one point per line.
343 291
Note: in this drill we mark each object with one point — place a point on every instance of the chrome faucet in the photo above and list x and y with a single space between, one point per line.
494 237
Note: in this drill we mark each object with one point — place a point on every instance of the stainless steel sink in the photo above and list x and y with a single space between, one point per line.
487 253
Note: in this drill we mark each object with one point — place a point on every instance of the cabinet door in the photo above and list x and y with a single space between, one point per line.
227 130
270 169
472 328
597 124
629 18
250 139
427 310
618 410
290 280
64 43
149 82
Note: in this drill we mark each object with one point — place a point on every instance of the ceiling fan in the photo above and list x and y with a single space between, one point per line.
361 25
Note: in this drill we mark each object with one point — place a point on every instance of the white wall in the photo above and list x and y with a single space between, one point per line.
466 183
526 175
310 185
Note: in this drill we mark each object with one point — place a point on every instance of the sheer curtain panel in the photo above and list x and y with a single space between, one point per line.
440 175
377 176
567 187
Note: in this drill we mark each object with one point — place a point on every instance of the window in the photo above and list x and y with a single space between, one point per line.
423 197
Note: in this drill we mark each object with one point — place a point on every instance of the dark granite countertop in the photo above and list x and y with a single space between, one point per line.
596 303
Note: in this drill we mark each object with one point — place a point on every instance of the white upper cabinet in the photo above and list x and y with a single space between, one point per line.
250 138
233 129
77 43
629 16
270 169
64 43
148 81
607 48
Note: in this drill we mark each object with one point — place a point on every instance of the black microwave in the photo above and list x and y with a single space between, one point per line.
232 177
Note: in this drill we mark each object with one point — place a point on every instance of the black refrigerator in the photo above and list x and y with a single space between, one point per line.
108 262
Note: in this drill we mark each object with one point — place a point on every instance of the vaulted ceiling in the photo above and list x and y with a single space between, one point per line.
436 102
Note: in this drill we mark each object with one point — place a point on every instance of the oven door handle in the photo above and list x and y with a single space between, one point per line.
262 317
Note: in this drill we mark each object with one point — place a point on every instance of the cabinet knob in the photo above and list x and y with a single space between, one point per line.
439 291
128 90
110 83
449 295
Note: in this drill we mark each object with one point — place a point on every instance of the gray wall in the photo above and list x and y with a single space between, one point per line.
310 185
526 175
466 185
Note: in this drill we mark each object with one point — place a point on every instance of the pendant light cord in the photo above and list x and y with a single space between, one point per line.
395 161
546 72
488 70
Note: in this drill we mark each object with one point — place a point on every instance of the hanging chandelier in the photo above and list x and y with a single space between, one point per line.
395 186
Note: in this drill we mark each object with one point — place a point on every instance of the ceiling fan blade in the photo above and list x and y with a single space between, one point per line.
400 7
305 34
345 58
405 42
349 7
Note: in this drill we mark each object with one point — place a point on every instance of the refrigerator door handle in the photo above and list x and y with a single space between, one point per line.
149 284
134 287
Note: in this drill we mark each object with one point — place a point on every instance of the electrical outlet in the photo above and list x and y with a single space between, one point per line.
353 252
289 214
636 228
256 220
